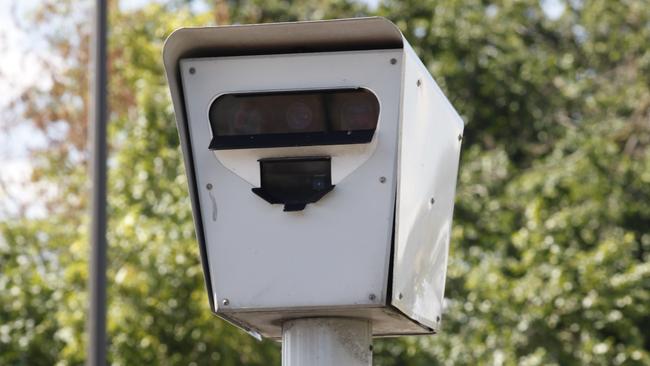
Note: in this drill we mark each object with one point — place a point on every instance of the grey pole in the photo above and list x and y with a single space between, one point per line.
327 342
97 279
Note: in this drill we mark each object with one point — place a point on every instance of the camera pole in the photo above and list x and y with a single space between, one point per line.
97 276
327 342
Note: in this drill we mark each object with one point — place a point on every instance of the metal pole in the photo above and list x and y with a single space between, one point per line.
97 280
327 342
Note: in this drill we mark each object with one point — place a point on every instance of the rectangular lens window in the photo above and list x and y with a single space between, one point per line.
294 118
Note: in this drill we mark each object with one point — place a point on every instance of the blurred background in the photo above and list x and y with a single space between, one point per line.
550 254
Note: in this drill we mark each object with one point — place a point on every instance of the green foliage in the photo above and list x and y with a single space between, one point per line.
550 254
549 259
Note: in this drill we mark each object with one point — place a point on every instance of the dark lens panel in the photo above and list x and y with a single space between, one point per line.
297 118
295 182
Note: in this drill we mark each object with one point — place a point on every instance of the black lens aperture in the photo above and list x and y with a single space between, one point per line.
294 182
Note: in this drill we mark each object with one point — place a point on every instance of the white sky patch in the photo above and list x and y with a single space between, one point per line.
16 142
553 8
19 69
372 4
16 195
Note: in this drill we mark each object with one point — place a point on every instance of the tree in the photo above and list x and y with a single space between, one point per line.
549 253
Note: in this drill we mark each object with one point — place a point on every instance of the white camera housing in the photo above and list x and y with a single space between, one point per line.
373 247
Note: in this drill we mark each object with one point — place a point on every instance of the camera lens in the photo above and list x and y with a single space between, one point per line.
319 183
358 115
299 116
248 120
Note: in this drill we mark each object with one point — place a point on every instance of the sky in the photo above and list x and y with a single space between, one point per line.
17 70
14 45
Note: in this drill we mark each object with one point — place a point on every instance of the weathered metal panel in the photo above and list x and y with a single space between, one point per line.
428 165
336 251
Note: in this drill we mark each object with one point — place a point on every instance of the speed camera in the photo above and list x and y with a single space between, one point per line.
322 160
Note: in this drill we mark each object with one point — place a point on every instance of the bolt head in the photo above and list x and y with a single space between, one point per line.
393 61
419 82
400 296
192 70
382 179
372 297
225 302
208 186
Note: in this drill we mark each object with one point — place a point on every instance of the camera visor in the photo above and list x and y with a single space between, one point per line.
293 118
